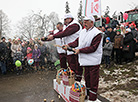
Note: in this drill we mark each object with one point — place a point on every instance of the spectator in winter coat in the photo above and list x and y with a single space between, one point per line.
118 45
28 57
114 23
135 36
24 49
104 35
6 48
31 44
123 30
128 43
43 50
15 46
9 60
18 55
111 34
29 54
3 57
36 56
107 50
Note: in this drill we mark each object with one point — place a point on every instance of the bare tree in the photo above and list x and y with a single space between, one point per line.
4 24
53 18
114 15
37 24
107 11
67 7
133 5
25 27
80 17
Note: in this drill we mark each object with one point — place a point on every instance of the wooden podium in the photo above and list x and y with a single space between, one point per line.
64 90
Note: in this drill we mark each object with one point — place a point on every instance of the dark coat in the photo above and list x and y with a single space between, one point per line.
134 33
3 56
43 50
129 41
36 53
24 51
111 35
114 23
9 48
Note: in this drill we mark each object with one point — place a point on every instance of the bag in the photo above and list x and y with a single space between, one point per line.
68 77
126 48
59 75
77 96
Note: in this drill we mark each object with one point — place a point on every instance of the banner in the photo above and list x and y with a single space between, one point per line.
92 7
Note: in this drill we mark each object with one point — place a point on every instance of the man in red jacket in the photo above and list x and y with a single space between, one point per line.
90 53
70 33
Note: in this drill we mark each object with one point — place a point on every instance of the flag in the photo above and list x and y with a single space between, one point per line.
92 7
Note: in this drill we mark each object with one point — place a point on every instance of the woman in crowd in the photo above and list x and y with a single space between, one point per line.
14 48
18 55
123 30
128 45
31 44
36 56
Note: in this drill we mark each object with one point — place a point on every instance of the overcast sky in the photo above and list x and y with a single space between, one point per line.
16 9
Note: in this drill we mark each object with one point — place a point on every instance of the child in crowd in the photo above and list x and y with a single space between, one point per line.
107 50
28 57
29 54
18 55
36 56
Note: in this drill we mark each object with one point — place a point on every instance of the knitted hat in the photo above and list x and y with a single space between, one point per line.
28 48
108 38
119 30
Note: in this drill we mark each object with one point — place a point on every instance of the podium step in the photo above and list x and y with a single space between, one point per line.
63 90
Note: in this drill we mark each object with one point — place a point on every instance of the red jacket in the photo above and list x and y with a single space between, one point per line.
29 56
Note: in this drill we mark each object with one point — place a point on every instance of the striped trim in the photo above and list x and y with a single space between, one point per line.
78 76
74 96
87 88
92 92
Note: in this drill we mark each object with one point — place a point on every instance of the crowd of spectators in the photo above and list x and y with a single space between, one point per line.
120 42
23 50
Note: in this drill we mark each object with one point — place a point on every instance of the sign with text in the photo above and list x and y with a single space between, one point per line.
92 7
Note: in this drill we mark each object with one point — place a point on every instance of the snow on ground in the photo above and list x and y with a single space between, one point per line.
119 83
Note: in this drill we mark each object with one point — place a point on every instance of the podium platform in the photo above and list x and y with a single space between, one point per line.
63 90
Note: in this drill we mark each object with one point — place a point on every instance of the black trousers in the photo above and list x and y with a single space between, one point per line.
118 55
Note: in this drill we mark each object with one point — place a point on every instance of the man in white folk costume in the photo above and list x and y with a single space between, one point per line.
89 50
60 41
70 34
